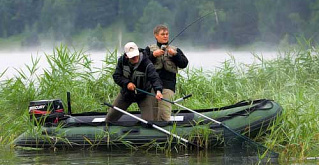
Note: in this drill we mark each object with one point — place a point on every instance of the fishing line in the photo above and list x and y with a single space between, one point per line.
198 19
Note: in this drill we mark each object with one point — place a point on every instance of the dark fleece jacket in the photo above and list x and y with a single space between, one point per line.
169 78
151 76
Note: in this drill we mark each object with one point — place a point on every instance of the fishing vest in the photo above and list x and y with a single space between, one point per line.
139 78
164 60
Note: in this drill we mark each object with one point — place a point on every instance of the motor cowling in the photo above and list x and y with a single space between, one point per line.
46 110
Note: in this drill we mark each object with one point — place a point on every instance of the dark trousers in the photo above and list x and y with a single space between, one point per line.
145 106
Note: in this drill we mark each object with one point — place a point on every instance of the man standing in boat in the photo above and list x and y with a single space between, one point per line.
166 59
135 70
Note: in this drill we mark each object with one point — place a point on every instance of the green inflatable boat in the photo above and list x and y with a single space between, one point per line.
55 129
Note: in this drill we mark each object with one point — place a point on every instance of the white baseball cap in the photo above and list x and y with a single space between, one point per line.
131 50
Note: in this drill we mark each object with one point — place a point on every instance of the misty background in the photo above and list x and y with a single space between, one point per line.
108 24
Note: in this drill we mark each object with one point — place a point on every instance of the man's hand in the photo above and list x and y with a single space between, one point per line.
158 52
159 95
131 86
171 51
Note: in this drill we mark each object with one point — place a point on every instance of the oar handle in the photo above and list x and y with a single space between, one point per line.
108 104
187 96
183 98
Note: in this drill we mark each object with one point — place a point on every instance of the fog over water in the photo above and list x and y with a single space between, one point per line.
208 60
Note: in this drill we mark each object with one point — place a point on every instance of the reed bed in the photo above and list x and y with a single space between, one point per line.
291 79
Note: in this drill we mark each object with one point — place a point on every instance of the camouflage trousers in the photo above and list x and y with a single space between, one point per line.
145 106
162 110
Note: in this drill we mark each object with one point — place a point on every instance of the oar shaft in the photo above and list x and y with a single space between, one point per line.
145 122
129 114
204 116
169 133
152 94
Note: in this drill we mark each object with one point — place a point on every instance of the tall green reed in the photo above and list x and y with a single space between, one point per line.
291 79
68 71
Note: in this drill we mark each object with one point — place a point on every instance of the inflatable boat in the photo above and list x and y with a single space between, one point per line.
90 129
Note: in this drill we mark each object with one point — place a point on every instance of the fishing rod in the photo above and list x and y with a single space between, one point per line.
198 19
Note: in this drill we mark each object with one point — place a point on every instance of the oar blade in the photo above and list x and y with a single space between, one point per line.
238 145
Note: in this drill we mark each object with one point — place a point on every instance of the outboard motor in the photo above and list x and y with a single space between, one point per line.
49 111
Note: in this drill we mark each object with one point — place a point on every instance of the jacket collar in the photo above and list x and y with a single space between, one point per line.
160 44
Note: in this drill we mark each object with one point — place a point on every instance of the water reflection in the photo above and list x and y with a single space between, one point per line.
141 157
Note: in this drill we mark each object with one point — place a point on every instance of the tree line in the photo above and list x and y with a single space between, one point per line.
231 22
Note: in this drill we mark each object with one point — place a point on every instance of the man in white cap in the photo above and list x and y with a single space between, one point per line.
135 70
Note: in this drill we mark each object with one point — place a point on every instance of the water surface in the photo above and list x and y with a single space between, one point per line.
85 156
207 60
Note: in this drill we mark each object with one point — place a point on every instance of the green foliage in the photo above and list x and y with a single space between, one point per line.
57 18
152 16
32 37
96 40
235 23
291 80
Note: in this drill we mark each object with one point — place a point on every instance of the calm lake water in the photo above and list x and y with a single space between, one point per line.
18 156
208 60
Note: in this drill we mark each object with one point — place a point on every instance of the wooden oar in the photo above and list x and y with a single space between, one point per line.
153 125
220 123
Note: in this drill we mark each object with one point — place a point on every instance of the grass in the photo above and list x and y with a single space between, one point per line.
291 80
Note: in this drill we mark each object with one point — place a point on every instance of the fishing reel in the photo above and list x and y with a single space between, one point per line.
163 47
